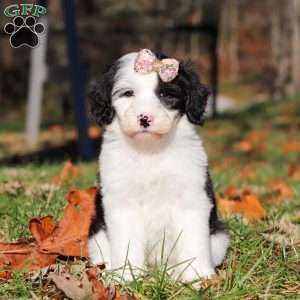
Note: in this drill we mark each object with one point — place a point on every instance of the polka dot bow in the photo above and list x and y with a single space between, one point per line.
146 62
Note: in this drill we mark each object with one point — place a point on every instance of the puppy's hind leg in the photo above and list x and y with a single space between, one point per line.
99 248
219 245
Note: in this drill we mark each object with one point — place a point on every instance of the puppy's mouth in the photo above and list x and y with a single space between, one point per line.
147 133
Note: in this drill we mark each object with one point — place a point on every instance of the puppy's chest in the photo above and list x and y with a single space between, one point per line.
147 182
151 183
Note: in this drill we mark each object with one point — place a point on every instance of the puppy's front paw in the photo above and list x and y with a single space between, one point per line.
192 274
127 274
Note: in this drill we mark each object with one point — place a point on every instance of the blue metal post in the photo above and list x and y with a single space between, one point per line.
78 79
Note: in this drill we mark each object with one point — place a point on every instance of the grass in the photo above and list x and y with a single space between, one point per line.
254 267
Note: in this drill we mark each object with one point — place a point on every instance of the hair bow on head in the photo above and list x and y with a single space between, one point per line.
146 62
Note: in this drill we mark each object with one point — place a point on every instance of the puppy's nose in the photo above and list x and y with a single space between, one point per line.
145 120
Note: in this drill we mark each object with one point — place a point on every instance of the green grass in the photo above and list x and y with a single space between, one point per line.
254 267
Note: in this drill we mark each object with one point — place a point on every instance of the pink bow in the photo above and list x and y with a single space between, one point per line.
146 62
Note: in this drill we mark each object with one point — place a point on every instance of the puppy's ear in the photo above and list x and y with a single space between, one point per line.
99 97
197 96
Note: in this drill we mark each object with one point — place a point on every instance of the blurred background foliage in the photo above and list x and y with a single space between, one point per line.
257 41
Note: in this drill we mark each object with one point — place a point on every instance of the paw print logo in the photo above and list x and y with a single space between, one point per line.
24 31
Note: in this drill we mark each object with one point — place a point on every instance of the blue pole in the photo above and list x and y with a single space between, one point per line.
78 79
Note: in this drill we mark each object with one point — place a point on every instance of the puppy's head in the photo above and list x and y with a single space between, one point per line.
143 106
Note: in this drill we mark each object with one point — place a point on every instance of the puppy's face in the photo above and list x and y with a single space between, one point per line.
145 107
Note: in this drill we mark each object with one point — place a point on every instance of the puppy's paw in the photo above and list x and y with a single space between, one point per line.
193 274
127 274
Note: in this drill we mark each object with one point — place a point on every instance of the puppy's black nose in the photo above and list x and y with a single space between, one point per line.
145 120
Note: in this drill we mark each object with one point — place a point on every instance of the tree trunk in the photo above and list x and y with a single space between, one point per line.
234 41
296 46
281 47
229 42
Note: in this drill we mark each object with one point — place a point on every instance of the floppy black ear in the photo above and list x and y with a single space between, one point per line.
99 97
197 96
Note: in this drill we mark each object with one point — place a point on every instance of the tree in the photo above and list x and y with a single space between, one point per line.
281 33
296 45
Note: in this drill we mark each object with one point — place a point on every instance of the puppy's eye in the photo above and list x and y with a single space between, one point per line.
128 93
164 95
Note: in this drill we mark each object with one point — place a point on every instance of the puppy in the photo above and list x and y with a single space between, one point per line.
155 203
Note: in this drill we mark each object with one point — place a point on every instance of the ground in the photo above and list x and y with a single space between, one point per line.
250 149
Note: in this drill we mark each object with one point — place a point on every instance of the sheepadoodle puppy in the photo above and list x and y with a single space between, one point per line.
155 202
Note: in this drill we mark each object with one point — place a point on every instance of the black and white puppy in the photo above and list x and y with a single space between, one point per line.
155 187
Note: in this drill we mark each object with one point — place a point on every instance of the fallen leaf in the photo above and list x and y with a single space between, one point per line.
282 189
10 187
69 238
94 132
34 296
6 275
231 191
23 255
253 142
68 173
291 147
40 190
98 288
248 173
244 146
90 286
285 233
41 228
296 216
243 203
294 171
73 288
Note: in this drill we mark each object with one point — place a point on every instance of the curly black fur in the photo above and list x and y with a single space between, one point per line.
99 97
197 94
215 224
185 93
98 220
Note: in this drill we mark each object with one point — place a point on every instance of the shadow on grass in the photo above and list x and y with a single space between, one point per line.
52 154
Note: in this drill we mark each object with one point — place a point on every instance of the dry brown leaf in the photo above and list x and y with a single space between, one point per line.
70 236
257 135
68 173
291 147
124 297
282 189
100 292
34 296
231 191
244 146
243 203
248 173
253 142
73 288
294 171
41 228
89 287
285 233
6 275
10 187
94 132
23 255
40 190
296 216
